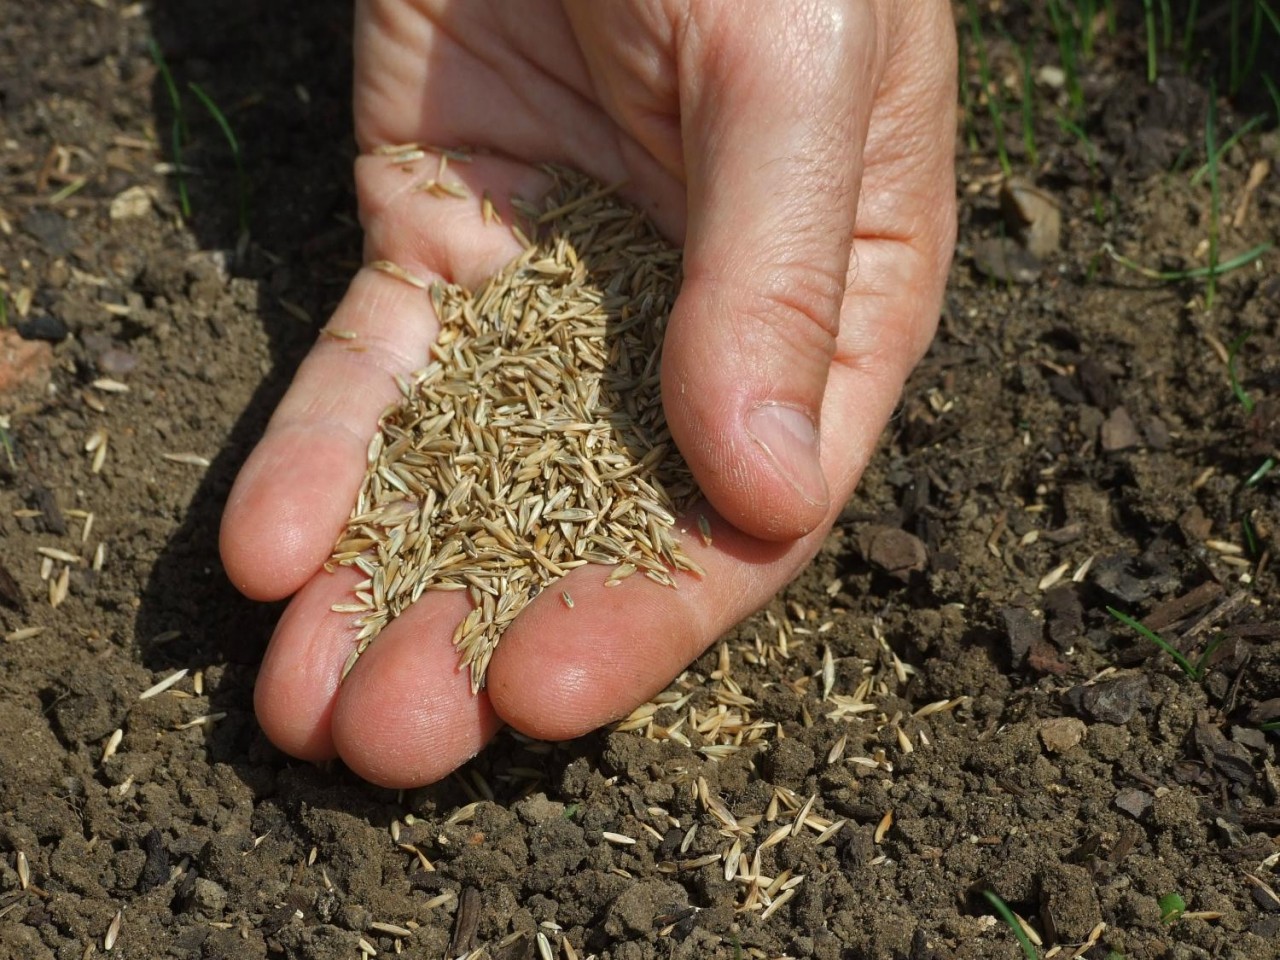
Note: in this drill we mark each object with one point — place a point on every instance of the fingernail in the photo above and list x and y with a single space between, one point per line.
790 439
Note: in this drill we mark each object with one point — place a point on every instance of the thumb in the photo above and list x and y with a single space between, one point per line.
774 117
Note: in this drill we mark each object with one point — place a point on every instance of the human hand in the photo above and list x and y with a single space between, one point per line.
802 156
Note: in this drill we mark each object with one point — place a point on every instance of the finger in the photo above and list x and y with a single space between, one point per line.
561 671
299 676
297 488
405 715
774 116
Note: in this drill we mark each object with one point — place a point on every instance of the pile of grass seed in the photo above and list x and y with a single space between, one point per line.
534 442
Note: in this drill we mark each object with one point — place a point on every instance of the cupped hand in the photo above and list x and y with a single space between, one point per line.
800 151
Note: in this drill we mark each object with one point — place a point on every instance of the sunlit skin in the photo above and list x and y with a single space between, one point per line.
801 152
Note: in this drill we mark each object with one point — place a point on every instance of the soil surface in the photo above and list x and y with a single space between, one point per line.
939 707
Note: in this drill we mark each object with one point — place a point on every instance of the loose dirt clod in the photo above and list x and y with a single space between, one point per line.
535 441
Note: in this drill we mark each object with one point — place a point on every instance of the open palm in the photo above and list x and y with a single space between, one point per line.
804 161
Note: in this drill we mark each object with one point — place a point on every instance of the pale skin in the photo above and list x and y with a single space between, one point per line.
800 151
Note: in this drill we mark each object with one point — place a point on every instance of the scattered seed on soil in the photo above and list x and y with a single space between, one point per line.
59 587
24 871
113 744
53 553
190 459
619 839
113 932
23 633
107 385
882 828
534 441
159 688
208 718
391 928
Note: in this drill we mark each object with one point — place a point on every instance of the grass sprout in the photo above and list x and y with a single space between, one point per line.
178 133
6 442
1004 913
1257 476
1194 670
242 182
995 101
1149 16
1227 145
1215 193
1196 273
1233 354
1069 49
1270 726
1172 907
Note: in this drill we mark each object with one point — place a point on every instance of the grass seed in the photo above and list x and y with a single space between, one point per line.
534 441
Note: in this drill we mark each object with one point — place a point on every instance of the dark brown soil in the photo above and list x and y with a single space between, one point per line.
1072 414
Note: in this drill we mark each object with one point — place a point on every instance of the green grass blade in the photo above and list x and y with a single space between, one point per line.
1149 15
1227 144
1270 725
179 131
1256 477
995 102
1233 354
1187 666
1215 195
242 183
1189 33
1004 913
1198 273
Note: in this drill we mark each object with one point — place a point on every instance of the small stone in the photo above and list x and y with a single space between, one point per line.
1119 432
43 327
1112 701
207 897
1060 734
1034 215
130 204
1251 737
23 362
893 551
1134 802
1023 629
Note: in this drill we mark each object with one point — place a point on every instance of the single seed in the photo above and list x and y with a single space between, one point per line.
23 633
882 828
399 272
113 932
159 688
24 871
113 744
107 385
59 588
619 839
99 456
55 554
191 459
